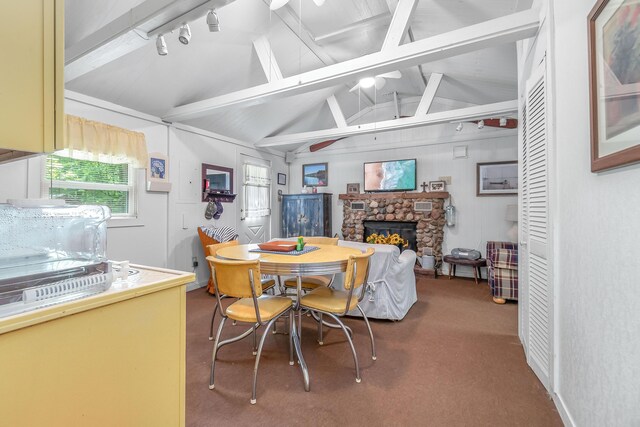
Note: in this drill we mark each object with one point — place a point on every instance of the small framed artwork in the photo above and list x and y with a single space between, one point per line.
282 179
353 188
436 185
158 173
614 79
497 178
315 175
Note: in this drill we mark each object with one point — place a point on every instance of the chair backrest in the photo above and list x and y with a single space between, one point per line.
315 240
211 250
233 278
359 264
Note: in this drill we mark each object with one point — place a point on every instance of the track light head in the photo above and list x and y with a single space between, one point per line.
213 22
185 34
480 124
459 127
161 45
503 121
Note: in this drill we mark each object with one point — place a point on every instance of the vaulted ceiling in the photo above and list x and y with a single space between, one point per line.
302 37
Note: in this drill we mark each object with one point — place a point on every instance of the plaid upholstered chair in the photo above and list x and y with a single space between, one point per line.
502 262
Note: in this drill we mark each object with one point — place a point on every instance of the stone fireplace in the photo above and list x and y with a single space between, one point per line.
425 210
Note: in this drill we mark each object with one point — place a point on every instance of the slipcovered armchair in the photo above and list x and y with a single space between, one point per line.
391 285
502 266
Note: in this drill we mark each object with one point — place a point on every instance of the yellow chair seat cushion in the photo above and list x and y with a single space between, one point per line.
268 284
329 300
270 307
309 282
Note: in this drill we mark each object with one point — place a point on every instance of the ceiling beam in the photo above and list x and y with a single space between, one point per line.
297 28
497 31
429 94
459 115
396 103
360 26
399 24
268 61
130 31
336 111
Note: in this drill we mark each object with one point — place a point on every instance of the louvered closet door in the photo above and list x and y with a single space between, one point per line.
535 237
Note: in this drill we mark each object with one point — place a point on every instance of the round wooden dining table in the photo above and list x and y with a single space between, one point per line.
327 259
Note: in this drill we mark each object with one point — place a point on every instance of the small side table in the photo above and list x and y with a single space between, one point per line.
475 263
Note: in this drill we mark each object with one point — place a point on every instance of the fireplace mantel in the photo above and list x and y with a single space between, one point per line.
402 195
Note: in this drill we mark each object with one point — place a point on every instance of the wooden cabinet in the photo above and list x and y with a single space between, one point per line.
306 215
31 76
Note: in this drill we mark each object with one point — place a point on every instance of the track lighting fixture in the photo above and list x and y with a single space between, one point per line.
503 121
185 34
480 124
459 127
213 22
161 45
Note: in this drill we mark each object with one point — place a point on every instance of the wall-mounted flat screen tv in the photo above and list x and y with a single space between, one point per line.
393 175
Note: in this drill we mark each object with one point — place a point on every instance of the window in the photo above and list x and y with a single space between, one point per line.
257 191
91 182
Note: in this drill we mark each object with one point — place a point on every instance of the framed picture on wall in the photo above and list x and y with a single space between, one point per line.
158 173
315 175
497 178
614 79
282 179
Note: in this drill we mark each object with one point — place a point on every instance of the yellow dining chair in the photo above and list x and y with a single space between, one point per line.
241 279
312 282
336 303
211 250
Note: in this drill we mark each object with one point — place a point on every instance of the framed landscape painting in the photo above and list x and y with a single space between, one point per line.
614 74
315 175
497 178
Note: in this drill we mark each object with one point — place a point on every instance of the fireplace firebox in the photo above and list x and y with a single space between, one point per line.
406 230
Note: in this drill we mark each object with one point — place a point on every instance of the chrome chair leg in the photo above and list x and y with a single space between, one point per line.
255 340
291 363
215 351
373 343
255 367
316 317
320 340
353 349
213 318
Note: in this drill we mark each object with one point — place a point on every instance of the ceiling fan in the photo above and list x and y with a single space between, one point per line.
378 81
277 4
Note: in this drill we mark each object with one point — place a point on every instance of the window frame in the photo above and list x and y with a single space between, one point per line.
268 186
47 184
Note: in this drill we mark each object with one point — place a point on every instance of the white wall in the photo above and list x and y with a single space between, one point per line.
479 219
597 255
187 151
158 236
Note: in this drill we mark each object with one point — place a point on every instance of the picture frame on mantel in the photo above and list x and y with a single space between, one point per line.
353 188
435 186
614 83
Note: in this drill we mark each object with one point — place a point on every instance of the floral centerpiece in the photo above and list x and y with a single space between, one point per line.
390 239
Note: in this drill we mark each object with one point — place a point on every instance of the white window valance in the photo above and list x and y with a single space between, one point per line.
90 140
